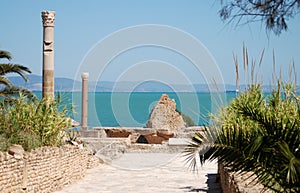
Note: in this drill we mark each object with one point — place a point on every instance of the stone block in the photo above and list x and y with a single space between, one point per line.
166 134
178 141
16 150
118 133
154 139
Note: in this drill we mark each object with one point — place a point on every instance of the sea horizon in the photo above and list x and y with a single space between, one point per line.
132 109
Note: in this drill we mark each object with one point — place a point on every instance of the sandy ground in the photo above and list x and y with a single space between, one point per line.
147 172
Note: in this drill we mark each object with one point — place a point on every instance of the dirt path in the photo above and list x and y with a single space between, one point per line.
147 172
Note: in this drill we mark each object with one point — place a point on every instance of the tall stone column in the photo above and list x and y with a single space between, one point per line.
48 53
84 103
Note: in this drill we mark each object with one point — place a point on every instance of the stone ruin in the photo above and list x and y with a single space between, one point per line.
165 117
164 123
165 131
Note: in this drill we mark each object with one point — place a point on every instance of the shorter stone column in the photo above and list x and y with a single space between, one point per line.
84 103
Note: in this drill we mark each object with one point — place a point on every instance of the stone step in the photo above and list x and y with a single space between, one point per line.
178 141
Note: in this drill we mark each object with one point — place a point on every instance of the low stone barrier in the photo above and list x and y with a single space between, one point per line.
238 183
45 169
111 142
149 135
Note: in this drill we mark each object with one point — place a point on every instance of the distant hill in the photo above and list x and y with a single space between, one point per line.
67 84
35 83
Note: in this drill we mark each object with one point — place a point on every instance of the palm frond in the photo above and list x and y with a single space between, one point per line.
5 54
258 134
5 81
9 93
14 68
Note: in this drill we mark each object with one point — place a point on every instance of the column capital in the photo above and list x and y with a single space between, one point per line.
48 18
85 75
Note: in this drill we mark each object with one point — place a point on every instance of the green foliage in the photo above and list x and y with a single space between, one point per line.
32 124
188 120
5 54
258 133
7 90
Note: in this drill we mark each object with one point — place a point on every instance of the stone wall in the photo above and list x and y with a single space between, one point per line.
152 136
238 183
45 169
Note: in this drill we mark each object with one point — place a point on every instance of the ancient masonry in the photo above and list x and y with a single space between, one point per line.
45 169
232 182
164 116
48 53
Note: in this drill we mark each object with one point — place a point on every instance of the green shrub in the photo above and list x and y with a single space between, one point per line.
33 124
257 133
188 120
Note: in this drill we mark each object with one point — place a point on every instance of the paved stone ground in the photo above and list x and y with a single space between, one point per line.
147 172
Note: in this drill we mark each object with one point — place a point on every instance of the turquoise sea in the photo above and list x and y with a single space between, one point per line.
133 109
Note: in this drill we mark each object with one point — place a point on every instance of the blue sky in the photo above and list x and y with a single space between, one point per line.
79 25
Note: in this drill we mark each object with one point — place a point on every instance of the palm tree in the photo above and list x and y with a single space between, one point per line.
258 134
7 89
